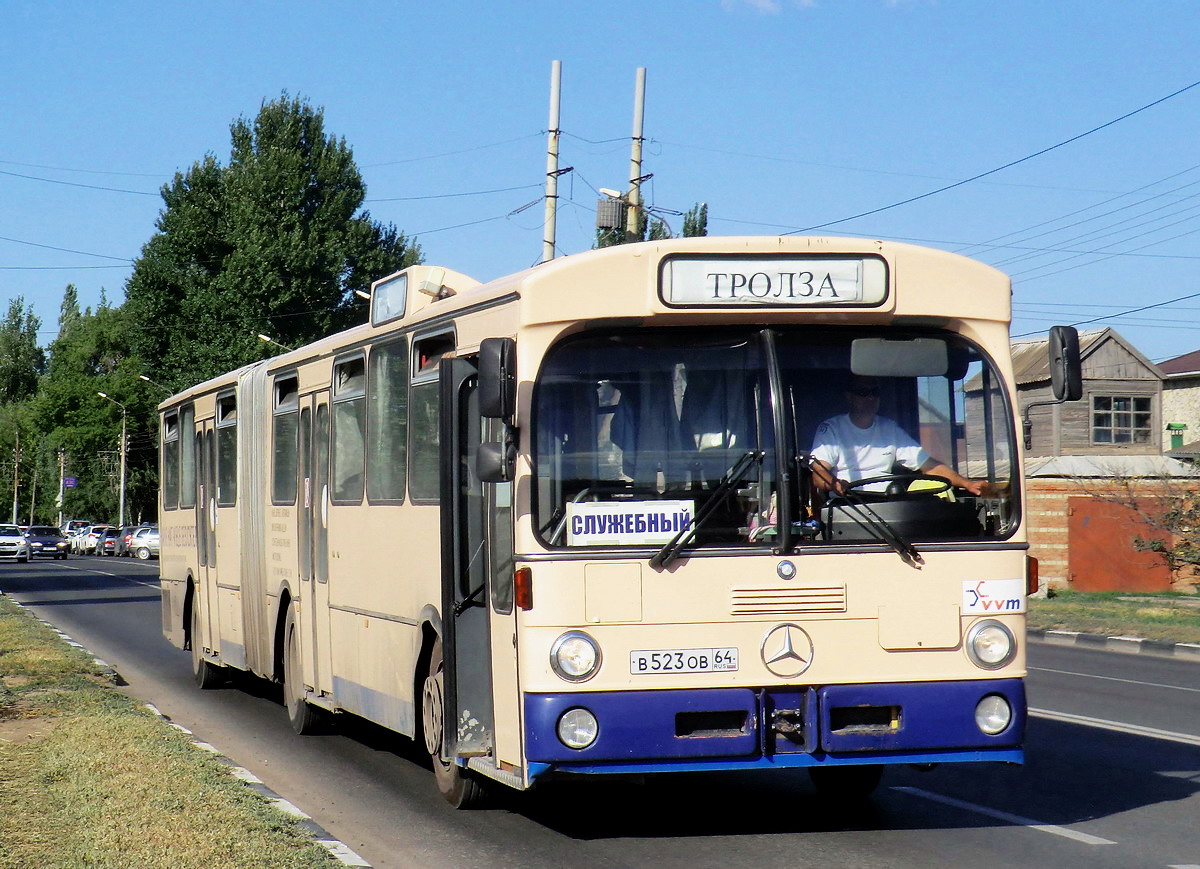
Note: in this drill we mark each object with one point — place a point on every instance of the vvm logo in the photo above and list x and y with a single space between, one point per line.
994 596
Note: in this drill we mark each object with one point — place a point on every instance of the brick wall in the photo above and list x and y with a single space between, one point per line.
1046 506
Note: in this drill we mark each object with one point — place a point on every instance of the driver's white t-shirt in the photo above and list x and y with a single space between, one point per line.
858 453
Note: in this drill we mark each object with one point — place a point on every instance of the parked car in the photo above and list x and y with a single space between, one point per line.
106 543
145 542
13 543
47 540
123 539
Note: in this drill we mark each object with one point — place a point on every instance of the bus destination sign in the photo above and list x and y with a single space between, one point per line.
777 282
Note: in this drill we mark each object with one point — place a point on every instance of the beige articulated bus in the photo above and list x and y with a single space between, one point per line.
568 522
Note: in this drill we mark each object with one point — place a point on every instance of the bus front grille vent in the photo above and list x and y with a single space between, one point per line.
787 601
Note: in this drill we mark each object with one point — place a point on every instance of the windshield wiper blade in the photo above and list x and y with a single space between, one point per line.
666 556
875 523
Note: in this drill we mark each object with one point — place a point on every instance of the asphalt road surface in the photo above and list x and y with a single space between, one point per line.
1111 777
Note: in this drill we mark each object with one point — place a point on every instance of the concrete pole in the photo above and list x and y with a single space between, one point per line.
16 475
635 161
548 231
121 502
62 466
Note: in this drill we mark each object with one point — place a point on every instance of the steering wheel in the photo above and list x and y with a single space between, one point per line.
897 484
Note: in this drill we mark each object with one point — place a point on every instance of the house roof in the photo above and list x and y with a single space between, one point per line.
1187 451
1108 466
1188 363
1031 359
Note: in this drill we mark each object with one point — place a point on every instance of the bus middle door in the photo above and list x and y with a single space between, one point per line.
314 542
206 532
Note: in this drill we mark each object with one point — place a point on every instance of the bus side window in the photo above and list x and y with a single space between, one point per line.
349 421
387 422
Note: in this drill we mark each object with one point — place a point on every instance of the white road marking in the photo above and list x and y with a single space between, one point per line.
113 575
1054 829
1118 726
1115 679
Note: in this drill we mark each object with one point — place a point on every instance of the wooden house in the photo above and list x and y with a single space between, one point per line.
1120 412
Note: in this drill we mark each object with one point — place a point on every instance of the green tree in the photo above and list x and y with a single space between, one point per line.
21 359
93 353
275 242
695 221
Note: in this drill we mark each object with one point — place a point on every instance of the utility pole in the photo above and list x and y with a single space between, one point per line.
121 503
633 217
62 468
552 173
16 475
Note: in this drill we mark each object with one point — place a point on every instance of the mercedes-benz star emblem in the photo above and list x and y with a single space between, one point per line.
787 650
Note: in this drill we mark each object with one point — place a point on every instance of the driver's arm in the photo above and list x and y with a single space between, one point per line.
824 478
936 469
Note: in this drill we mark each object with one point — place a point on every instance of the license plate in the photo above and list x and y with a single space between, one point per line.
647 661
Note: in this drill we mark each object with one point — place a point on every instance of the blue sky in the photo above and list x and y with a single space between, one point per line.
780 114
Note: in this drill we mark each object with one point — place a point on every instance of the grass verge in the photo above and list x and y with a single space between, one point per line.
1172 618
92 779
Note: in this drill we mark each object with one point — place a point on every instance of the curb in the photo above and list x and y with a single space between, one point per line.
340 851
1123 645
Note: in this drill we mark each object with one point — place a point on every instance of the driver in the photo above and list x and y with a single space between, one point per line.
861 444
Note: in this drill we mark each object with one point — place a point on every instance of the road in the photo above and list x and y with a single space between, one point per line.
1112 775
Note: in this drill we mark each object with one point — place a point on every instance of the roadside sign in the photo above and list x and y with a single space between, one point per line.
70 482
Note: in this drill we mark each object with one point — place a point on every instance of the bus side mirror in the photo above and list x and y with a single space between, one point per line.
497 378
1066 370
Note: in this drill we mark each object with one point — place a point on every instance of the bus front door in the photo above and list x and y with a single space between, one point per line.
469 720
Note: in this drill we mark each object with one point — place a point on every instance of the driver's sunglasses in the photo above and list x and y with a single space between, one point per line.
865 391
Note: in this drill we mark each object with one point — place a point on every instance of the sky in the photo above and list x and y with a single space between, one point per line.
1056 141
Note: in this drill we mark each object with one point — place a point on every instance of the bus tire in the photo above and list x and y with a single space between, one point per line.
305 718
205 674
460 788
846 784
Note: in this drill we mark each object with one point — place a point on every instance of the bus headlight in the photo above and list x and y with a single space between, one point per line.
575 657
990 644
578 728
993 714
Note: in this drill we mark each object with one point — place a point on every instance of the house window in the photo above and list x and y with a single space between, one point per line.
1120 419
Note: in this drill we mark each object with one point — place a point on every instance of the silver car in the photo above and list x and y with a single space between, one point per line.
13 543
145 542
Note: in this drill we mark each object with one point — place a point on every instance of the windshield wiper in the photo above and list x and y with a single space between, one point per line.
666 556
873 522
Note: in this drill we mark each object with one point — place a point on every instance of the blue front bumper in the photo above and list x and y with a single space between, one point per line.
745 728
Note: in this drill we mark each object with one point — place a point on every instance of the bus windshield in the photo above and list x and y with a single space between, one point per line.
636 430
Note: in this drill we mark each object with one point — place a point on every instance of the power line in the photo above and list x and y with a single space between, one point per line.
1008 165
76 184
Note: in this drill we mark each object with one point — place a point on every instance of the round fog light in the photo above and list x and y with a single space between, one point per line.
578 728
993 714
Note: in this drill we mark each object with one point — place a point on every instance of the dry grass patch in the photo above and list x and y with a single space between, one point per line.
93 780
1172 618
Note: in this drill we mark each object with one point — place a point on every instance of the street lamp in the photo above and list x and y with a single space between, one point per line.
152 382
121 502
269 340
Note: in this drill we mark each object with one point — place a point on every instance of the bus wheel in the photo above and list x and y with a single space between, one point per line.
305 718
457 785
845 783
204 672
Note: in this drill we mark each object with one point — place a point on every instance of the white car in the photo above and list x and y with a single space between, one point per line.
13 543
